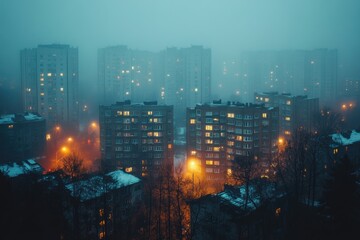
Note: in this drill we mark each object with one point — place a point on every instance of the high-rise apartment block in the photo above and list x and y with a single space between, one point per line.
124 74
178 77
137 138
22 136
185 77
301 72
294 111
49 83
217 133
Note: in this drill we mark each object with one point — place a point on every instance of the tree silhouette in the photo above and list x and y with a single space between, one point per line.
341 202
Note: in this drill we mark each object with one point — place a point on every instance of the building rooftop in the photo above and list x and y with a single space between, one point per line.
97 185
235 196
342 140
20 168
15 118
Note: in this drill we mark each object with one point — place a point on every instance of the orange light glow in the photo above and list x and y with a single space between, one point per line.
70 139
57 128
64 149
93 124
281 141
48 137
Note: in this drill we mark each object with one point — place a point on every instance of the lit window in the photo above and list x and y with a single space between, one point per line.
287 132
101 212
61 89
209 141
288 102
264 115
42 94
101 235
216 149
277 212
209 127
207 134
49 74
217 163
192 121
128 169
11 126
150 112
229 172
336 151
209 162
193 152
41 79
48 136
287 118
169 146
239 138
102 223
119 113
61 74
126 113
266 99
230 115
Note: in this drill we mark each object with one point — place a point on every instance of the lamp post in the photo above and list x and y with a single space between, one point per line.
192 167
64 150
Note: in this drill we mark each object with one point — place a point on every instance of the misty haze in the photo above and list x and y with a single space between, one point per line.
164 119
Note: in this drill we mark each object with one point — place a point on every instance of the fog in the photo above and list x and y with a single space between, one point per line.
227 27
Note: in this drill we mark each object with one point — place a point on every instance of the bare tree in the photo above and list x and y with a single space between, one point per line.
244 170
73 166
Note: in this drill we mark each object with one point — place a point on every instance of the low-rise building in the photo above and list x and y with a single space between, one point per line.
101 206
22 136
232 214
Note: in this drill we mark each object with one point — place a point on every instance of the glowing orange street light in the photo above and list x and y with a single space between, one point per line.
57 128
281 141
70 139
64 150
93 124
193 167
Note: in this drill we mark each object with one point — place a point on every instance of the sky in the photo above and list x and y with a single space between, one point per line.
225 26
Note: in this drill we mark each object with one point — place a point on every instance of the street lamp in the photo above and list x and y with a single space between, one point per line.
64 150
193 167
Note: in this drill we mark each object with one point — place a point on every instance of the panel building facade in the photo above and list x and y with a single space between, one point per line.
217 133
22 136
185 78
300 72
49 83
137 138
125 73
294 111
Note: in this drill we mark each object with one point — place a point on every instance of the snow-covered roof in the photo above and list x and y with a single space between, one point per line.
11 118
341 140
20 168
236 197
97 185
